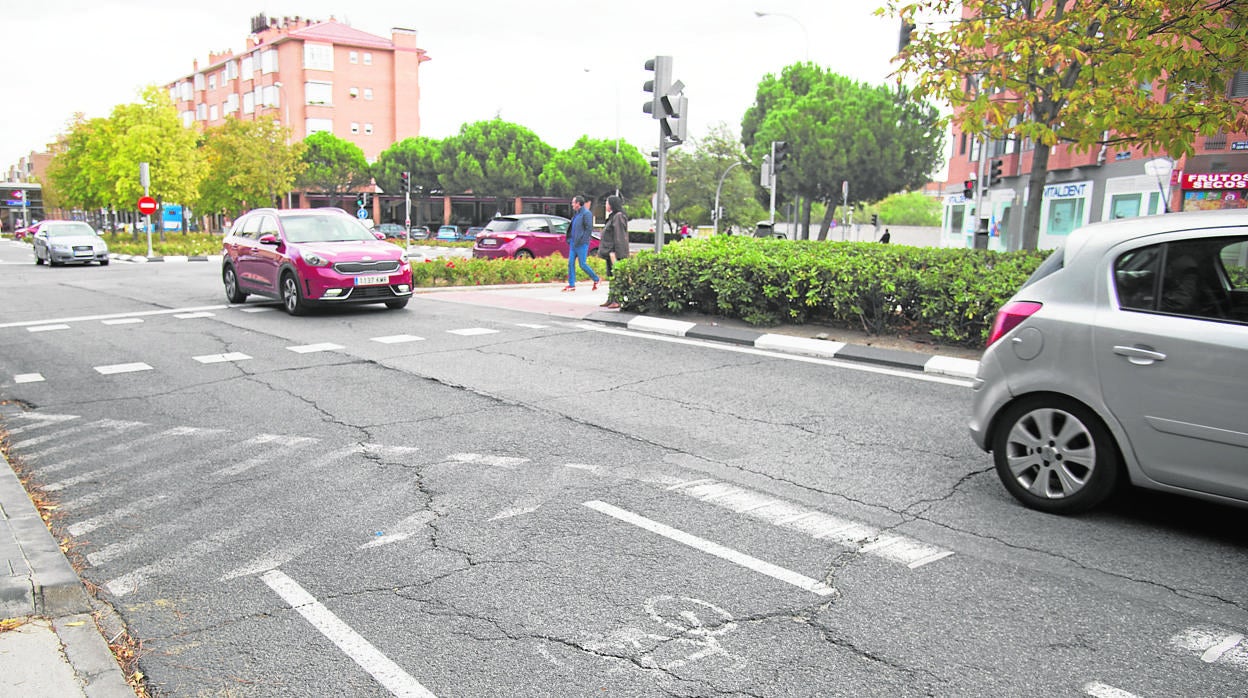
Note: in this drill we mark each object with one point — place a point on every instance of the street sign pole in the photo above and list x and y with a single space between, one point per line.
145 180
407 216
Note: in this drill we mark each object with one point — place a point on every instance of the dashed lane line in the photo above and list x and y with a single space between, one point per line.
711 548
28 378
1096 689
222 358
112 316
115 369
313 348
390 675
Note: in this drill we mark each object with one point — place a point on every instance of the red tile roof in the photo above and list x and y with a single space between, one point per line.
335 32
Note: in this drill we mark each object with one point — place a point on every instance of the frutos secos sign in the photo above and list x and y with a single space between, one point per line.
1215 180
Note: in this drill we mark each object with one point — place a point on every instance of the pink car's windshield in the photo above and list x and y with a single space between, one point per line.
324 229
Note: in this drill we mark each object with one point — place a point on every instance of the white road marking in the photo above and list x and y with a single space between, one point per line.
221 358
473 331
402 530
749 562
398 339
122 368
44 420
77 479
312 348
506 462
818 525
269 561
128 446
285 446
1214 645
123 321
515 511
114 516
1101 690
532 326
390 675
28 378
47 328
850 365
67 438
259 309
192 316
133 580
82 318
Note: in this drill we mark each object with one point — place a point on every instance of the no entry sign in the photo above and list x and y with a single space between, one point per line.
147 205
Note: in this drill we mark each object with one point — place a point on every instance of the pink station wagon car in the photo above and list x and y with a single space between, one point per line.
311 257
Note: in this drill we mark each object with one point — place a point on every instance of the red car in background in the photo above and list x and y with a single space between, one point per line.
526 235
309 257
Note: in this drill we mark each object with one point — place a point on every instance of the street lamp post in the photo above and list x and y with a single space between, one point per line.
285 122
805 33
718 187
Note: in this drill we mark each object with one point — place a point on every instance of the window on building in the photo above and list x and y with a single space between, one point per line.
268 61
214 113
319 93
355 127
368 58
318 56
368 129
249 102
188 93
962 150
353 56
272 96
249 67
1239 84
231 70
199 81
231 104
212 82
319 125
368 93
975 145
188 118
201 111
173 94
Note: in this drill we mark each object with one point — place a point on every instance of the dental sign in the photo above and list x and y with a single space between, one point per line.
1215 180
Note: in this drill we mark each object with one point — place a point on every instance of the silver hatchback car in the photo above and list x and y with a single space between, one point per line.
1123 358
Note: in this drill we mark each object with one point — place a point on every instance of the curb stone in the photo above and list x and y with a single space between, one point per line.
893 358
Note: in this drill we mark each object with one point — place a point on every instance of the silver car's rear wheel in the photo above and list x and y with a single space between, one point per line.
1055 455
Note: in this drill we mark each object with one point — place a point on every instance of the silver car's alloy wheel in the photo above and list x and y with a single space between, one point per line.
1053 454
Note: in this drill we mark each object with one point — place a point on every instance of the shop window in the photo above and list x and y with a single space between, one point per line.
1064 216
1124 206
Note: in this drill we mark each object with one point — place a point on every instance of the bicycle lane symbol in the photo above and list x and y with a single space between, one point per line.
686 630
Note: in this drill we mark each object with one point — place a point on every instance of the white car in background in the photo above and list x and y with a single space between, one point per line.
68 242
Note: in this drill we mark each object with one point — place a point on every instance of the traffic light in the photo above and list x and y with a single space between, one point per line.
968 189
675 124
359 201
654 163
779 153
994 172
407 182
764 174
659 86
875 220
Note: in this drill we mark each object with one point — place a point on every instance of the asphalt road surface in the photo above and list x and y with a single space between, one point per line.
459 500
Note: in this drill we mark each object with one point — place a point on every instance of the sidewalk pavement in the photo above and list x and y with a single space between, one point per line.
59 650
56 649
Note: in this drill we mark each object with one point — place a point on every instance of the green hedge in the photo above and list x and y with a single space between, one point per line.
459 271
951 295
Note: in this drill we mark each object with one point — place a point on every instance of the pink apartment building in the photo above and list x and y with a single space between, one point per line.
312 76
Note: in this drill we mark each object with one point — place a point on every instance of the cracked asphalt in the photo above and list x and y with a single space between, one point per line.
434 496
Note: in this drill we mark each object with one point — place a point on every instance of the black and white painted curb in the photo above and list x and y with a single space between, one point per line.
915 361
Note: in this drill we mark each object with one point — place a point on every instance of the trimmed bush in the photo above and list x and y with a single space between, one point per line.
950 295
459 271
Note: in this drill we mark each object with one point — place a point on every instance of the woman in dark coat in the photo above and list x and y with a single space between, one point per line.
614 244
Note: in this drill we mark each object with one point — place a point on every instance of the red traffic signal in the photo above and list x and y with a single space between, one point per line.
968 189
147 205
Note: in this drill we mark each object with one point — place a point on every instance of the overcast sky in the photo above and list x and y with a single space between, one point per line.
562 69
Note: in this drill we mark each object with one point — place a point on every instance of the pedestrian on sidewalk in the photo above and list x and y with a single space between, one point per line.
886 237
614 245
579 234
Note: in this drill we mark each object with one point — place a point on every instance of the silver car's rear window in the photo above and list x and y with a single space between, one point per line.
1051 264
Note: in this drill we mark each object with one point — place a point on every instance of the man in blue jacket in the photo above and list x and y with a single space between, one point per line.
579 234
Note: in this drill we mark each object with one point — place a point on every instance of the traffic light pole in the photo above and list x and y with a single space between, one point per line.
771 217
660 198
981 199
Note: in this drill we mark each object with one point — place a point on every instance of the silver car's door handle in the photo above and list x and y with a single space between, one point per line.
1140 356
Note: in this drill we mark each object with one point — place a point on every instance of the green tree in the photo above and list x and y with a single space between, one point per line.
694 172
493 158
1151 73
248 164
421 156
77 174
333 166
594 167
150 131
909 208
881 140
